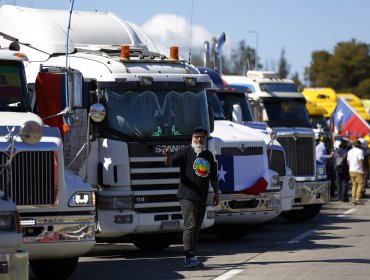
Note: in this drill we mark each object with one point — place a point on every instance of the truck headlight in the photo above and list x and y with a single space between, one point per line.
117 203
321 172
7 221
275 180
291 183
82 199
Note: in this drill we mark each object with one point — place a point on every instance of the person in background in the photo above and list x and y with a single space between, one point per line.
197 169
366 150
342 170
324 155
355 159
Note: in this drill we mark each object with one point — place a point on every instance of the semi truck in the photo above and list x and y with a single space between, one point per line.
56 207
278 103
254 182
150 101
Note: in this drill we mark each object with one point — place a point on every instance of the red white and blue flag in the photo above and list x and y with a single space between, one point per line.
235 174
345 118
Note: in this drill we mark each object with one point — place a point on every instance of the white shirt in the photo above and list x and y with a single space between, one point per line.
353 157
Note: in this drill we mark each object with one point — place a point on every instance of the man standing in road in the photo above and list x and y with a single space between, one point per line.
197 168
355 159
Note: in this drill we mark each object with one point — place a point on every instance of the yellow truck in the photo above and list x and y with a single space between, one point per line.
356 104
318 122
323 97
366 103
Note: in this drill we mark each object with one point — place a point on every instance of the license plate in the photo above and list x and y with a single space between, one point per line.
170 225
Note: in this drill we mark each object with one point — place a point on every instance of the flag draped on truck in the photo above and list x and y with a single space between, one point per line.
241 174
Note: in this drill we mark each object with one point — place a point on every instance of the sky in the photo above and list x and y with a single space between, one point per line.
298 26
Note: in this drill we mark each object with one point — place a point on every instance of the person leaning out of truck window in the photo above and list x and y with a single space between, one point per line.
197 168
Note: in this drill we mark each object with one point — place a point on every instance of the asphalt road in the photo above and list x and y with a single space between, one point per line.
335 245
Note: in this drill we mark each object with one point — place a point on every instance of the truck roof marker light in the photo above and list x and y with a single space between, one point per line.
226 88
190 81
125 53
20 55
174 53
233 89
247 90
146 81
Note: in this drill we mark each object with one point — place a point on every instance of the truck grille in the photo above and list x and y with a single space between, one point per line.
242 151
300 153
32 181
154 184
276 161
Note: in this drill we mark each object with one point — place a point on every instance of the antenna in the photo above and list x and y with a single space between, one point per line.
67 47
191 28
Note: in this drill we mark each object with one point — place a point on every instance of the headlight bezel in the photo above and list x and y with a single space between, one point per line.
8 222
275 181
82 199
116 202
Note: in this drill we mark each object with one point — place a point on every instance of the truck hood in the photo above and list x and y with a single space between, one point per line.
17 118
229 134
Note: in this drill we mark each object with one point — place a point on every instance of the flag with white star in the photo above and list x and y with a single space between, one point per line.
345 118
242 174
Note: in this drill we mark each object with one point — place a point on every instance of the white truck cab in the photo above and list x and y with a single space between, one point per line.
56 207
150 100
278 103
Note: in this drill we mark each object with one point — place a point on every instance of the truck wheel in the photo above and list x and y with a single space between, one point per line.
228 232
153 242
58 269
307 213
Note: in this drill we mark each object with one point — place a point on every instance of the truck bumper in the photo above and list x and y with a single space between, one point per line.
115 223
58 236
306 193
14 265
248 209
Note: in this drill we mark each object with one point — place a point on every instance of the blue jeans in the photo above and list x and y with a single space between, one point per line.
193 212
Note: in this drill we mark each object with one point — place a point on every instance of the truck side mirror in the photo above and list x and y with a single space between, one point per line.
97 112
237 113
211 119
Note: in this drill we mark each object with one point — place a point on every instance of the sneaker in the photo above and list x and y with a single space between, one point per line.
192 262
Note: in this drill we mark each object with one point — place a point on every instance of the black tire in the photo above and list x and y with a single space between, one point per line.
230 232
302 215
153 242
57 269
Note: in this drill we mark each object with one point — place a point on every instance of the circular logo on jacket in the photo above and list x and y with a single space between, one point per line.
201 167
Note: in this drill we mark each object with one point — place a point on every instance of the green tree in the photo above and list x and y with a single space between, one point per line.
242 59
284 67
345 70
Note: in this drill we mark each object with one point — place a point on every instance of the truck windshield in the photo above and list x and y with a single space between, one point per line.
13 92
229 103
214 102
286 112
319 122
282 87
155 114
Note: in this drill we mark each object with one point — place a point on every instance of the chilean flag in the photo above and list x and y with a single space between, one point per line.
345 118
235 174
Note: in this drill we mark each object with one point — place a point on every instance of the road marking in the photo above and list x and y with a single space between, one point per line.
228 274
301 236
350 211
